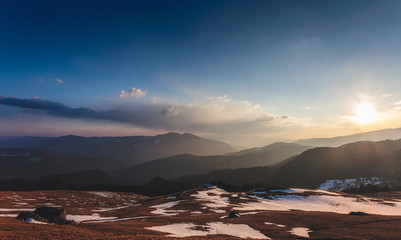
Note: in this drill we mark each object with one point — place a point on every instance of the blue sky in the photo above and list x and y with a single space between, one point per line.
247 72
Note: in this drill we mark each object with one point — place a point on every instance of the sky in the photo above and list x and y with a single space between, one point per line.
245 72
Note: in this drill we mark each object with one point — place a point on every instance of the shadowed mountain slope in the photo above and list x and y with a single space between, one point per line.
314 166
186 164
34 164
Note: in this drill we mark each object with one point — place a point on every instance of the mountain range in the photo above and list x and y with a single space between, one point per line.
131 150
314 166
286 164
186 164
379 135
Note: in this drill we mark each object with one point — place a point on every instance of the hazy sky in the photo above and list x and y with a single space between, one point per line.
246 72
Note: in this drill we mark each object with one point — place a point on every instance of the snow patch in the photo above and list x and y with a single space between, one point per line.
275 224
16 209
103 194
341 184
88 218
31 220
251 213
213 196
218 210
115 220
213 228
302 232
161 209
9 215
113 209
48 205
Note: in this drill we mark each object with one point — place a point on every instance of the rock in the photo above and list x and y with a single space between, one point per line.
47 214
358 214
233 214
52 214
30 215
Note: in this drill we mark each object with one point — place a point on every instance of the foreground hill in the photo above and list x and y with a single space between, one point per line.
360 159
380 135
133 150
314 166
81 178
186 164
202 213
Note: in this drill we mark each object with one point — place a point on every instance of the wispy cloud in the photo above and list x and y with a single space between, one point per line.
397 103
50 81
133 92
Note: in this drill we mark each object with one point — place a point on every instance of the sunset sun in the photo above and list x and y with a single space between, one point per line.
365 113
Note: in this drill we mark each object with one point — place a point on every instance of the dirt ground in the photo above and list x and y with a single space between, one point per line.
322 225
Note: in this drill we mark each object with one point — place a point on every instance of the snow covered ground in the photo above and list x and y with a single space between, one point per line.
213 197
163 209
204 211
213 228
341 184
323 203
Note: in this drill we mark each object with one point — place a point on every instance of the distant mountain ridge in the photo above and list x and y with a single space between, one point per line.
307 169
314 166
133 150
187 164
379 135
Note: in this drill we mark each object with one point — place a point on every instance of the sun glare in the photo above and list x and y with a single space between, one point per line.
365 113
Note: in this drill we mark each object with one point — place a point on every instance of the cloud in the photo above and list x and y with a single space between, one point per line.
385 95
307 108
143 115
34 103
51 81
58 109
170 111
133 92
219 117
397 105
